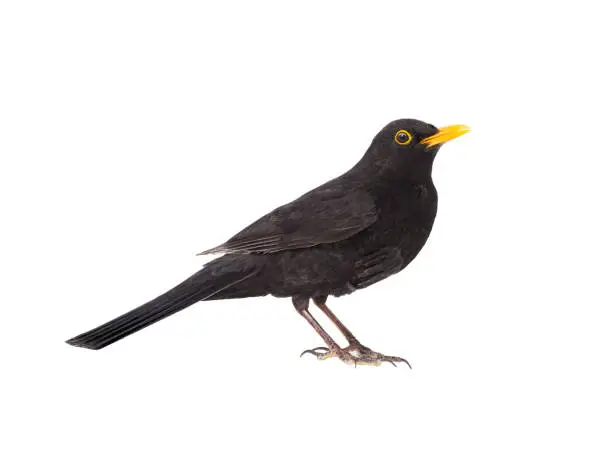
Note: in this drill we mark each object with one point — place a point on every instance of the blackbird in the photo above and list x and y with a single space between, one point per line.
345 235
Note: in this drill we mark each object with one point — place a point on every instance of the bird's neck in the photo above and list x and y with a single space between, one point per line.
374 168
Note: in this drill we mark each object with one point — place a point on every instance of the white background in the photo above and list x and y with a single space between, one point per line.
136 134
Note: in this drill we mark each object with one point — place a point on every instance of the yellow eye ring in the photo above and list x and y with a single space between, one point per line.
403 137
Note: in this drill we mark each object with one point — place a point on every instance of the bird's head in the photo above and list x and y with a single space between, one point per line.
409 146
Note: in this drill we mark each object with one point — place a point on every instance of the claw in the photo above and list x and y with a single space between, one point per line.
314 352
392 361
399 359
308 351
321 348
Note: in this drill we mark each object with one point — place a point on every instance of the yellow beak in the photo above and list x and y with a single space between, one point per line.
445 134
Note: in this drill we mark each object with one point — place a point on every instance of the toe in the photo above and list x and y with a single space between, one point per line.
393 360
321 353
317 352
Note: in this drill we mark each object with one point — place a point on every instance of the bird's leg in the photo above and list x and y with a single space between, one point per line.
320 303
355 352
301 305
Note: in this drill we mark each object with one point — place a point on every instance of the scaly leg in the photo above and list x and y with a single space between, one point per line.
355 353
320 303
322 353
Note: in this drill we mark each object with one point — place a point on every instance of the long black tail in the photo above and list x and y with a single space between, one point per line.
218 279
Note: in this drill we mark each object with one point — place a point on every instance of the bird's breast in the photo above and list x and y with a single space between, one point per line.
406 218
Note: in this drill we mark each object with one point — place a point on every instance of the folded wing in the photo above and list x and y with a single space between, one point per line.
324 215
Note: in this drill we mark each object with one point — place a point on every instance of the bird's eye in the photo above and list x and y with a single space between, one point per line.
403 137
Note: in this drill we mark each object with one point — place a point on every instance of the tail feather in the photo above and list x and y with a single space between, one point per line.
205 284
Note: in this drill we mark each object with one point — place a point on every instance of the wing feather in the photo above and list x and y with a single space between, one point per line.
327 214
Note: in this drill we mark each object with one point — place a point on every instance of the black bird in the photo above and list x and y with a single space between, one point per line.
345 235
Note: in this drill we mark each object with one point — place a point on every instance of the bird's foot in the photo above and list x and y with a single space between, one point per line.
355 354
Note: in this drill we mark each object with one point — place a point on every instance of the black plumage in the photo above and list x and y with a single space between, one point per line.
347 234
